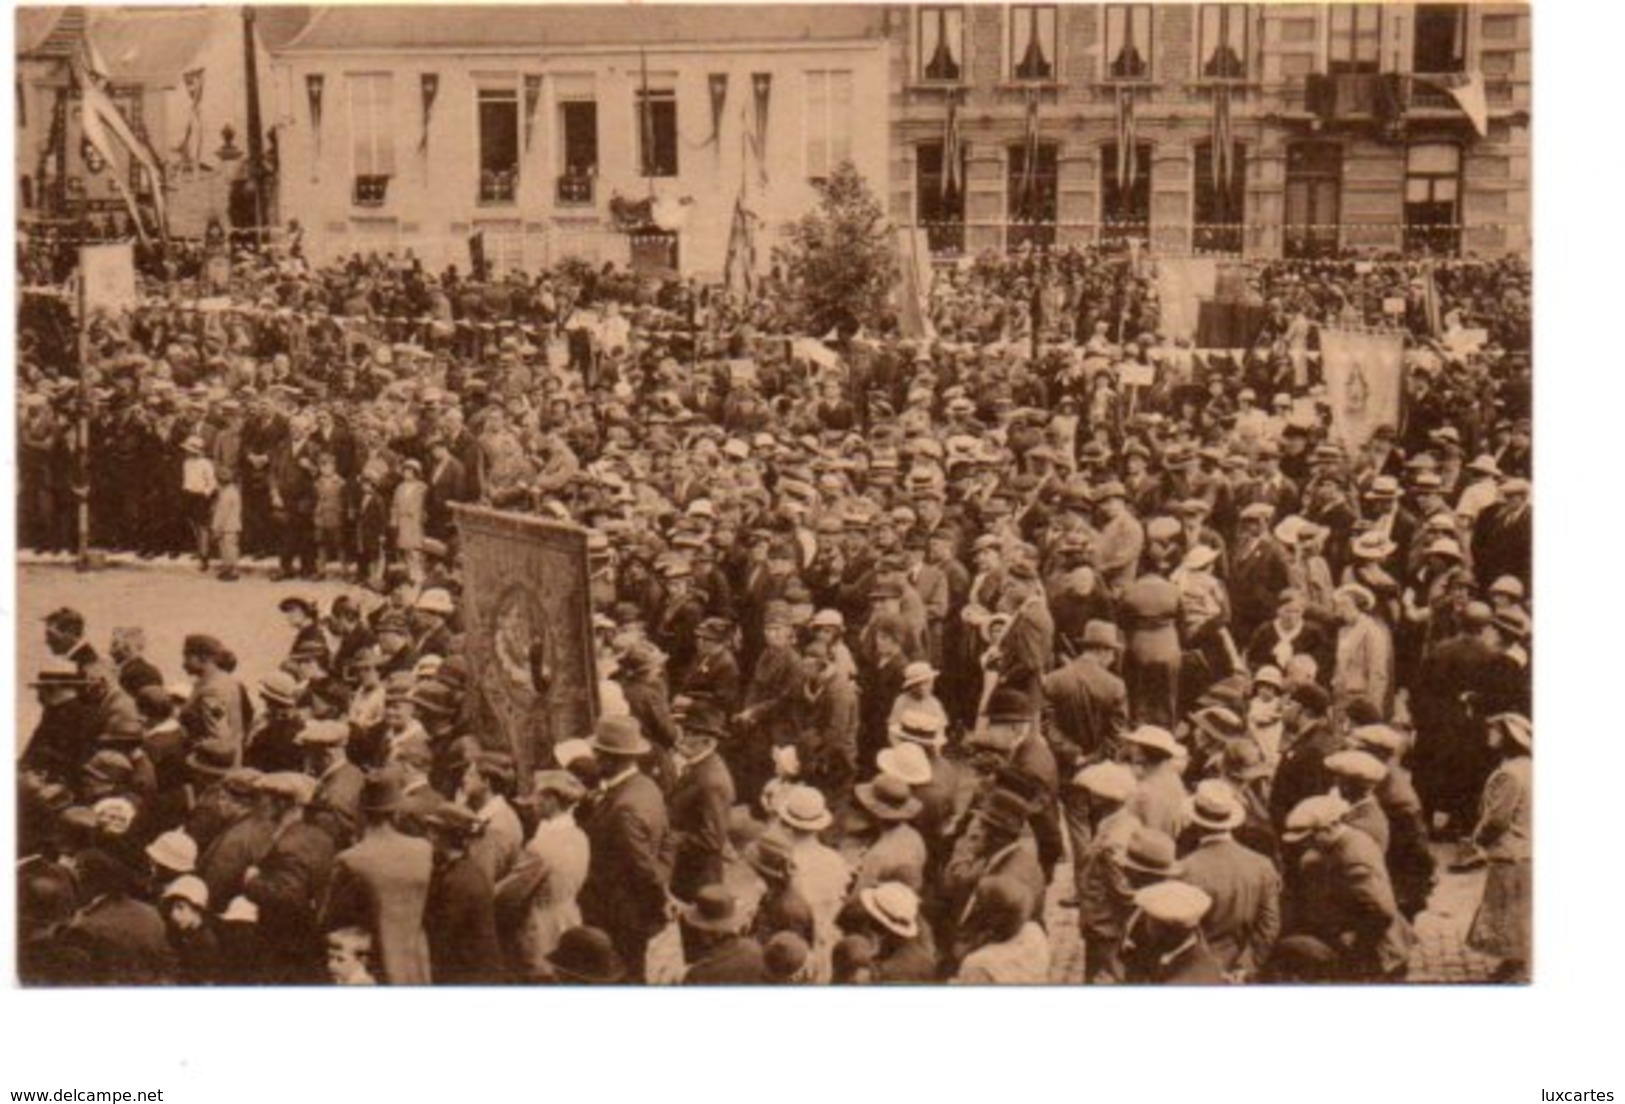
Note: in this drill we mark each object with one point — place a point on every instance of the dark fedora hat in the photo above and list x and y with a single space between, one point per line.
381 792
888 798
714 910
585 956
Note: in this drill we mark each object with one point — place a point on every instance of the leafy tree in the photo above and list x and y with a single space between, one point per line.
839 259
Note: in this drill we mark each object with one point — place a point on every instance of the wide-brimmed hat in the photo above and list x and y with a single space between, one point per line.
888 798
436 600
804 808
280 687
1151 852
920 726
59 672
1220 723
189 888
174 850
918 673
1004 810
770 856
894 906
907 762
1199 557
1102 634
621 736
586 956
1214 806
714 910
381 792
297 602
211 759
1156 738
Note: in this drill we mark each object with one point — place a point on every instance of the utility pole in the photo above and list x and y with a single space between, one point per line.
256 143
81 487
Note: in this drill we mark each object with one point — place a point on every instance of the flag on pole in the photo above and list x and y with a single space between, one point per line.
1430 302
1029 168
1222 148
739 270
1467 89
101 116
1128 164
92 126
950 149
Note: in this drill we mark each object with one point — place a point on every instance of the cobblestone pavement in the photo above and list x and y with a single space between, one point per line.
170 599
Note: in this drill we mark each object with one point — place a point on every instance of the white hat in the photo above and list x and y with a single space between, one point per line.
894 906
174 850
918 672
1312 814
568 751
1177 903
804 808
1386 737
189 888
241 910
1153 737
436 600
906 762
1113 781
1359 765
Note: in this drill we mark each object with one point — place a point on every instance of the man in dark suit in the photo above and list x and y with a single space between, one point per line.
1026 651
1259 573
631 846
1087 709
699 803
448 483
115 938
288 883
716 951
714 675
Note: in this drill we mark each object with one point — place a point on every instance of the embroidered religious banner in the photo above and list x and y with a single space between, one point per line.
718 83
1363 371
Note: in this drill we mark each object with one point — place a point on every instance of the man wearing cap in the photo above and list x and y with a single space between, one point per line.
459 917
289 882
271 744
1340 893
1163 943
1363 664
631 846
1149 608
1103 893
1245 918
335 807
714 674
114 938
767 720
1121 539
382 884
64 738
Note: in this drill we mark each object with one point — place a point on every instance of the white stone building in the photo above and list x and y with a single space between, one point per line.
416 129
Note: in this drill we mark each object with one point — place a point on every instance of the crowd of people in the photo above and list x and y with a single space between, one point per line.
905 646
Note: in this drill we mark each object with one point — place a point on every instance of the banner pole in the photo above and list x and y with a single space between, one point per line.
81 487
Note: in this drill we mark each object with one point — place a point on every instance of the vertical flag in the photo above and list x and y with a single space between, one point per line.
718 83
1128 164
1223 169
313 93
1430 302
762 89
533 97
428 89
191 147
950 149
646 122
739 270
1029 168
99 112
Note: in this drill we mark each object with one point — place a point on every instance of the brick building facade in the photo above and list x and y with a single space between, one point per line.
1345 134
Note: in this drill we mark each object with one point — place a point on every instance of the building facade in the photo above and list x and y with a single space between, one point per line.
618 133
177 75
1344 133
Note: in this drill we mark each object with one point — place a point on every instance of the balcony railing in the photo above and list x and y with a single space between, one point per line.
370 190
499 187
575 190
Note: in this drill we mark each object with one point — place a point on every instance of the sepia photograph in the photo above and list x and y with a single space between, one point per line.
775 495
